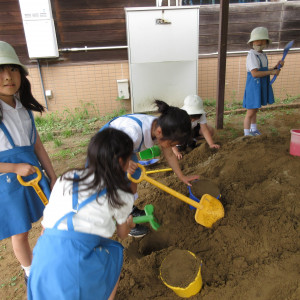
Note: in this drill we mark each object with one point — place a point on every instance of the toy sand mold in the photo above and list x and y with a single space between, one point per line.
208 211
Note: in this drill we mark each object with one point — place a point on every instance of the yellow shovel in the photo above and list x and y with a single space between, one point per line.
160 170
35 184
209 209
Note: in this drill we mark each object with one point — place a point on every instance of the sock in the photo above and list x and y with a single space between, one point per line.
253 127
135 196
26 270
246 131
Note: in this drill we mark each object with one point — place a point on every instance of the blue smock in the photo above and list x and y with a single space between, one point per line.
70 265
138 172
258 91
20 205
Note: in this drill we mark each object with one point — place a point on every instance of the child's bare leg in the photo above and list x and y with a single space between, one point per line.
22 249
250 116
253 119
113 293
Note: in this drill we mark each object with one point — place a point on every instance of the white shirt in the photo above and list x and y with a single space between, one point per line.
253 62
97 217
133 129
201 120
18 124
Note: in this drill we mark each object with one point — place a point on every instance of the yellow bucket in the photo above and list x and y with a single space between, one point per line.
192 289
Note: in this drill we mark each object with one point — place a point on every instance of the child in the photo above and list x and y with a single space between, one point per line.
75 257
193 105
20 150
173 126
258 90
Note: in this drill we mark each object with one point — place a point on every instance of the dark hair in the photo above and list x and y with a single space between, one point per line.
174 122
198 116
104 151
26 97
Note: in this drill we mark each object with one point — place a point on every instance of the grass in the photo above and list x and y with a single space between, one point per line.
58 126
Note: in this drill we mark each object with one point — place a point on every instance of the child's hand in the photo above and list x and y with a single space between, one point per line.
280 62
177 153
187 179
275 72
179 156
132 167
214 146
23 169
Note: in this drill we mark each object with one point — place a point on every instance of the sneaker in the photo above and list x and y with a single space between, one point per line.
139 231
255 132
137 212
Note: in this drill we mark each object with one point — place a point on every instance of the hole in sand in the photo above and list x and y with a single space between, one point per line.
153 242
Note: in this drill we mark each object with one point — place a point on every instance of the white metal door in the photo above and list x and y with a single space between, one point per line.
163 55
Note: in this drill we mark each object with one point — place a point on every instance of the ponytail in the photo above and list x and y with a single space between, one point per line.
174 122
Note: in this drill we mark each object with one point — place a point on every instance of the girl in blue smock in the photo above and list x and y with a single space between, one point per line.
75 258
20 151
170 128
258 90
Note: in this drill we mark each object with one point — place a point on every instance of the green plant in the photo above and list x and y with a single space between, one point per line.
57 143
209 102
84 143
274 131
62 154
46 137
67 133
288 98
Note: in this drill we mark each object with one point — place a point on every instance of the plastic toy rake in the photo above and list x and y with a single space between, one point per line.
149 217
35 184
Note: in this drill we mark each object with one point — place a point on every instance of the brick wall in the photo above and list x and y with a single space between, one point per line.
96 84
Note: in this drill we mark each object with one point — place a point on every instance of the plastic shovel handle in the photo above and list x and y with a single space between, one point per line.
285 52
142 219
164 188
157 171
35 184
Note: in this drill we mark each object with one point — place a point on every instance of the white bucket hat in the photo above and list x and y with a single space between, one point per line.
8 56
258 34
193 105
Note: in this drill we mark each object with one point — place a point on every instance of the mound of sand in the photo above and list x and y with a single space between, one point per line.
253 252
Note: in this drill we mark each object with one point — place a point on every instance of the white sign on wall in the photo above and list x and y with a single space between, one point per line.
39 28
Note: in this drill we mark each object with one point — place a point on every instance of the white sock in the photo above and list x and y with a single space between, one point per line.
253 127
135 196
27 270
246 131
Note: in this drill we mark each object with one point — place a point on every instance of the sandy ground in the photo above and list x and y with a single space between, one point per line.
252 253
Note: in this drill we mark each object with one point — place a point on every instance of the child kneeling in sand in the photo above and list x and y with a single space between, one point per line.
193 105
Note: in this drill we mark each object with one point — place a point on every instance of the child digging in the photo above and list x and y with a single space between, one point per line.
173 126
76 258
193 105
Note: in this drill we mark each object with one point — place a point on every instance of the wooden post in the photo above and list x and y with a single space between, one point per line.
222 49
